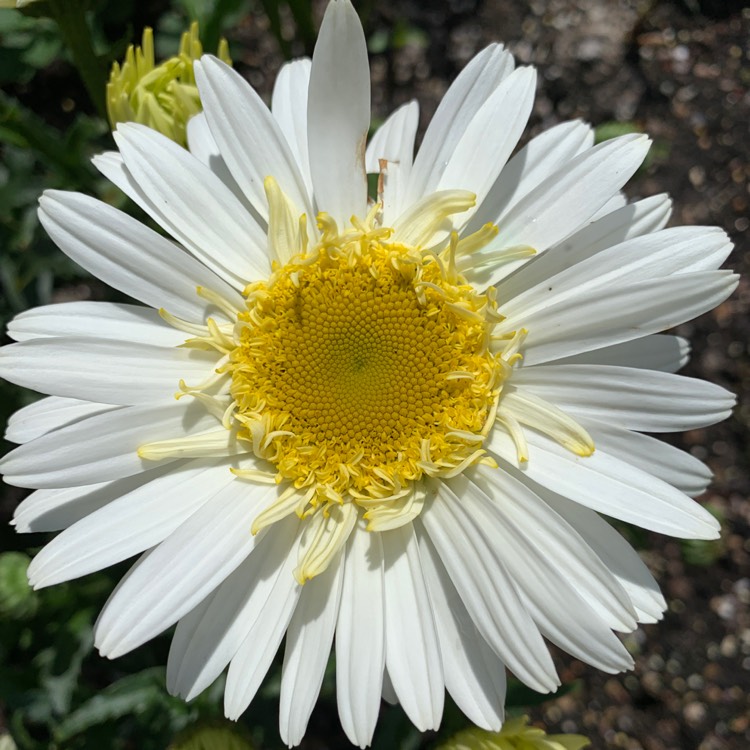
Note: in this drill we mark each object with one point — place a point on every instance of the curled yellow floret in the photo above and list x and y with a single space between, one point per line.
362 366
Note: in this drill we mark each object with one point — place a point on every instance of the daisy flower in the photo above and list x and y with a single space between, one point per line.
393 423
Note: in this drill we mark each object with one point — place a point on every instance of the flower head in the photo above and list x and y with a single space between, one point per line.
392 420
162 96
516 734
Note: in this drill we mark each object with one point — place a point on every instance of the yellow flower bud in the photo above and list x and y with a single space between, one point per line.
162 96
210 738
516 734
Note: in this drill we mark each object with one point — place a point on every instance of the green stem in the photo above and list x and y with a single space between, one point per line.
71 20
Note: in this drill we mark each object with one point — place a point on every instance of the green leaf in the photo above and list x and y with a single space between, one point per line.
522 696
704 552
613 129
407 35
133 694
26 45
17 599
214 17
395 731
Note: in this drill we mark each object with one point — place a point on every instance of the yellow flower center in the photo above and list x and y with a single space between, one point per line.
366 367
359 367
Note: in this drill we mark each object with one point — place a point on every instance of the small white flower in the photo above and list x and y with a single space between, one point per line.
396 422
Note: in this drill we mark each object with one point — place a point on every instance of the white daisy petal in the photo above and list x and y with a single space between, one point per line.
207 638
507 501
619 557
634 220
543 569
194 205
360 638
673 251
474 675
676 467
128 525
657 352
112 166
181 669
534 163
53 510
49 414
289 108
604 316
100 448
617 201
128 255
338 114
251 662
389 692
393 143
170 580
488 592
251 154
630 397
111 372
110 320
413 664
476 161
201 145
570 197
308 645
457 109
608 485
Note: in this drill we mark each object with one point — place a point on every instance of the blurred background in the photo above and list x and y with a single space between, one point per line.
678 70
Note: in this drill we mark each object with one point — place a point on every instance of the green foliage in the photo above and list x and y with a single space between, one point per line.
137 694
37 157
214 16
613 129
17 599
703 552
658 153
58 693
26 45
520 696
301 12
401 35
41 657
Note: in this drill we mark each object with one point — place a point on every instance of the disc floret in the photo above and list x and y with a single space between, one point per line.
363 365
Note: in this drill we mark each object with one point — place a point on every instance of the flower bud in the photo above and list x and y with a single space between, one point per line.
516 734
162 96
